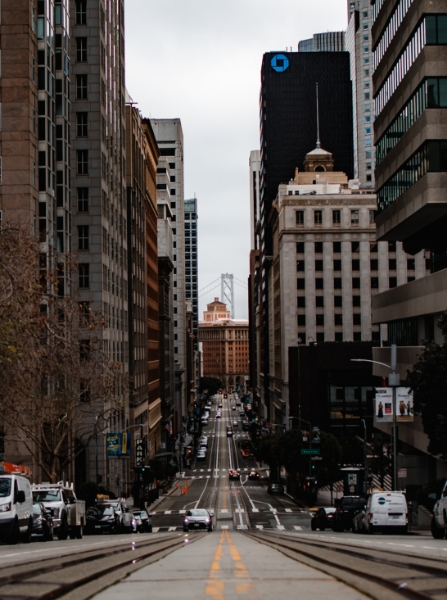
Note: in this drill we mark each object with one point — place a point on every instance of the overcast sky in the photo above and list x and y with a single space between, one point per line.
200 61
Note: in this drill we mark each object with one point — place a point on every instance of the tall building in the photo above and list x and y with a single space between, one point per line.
255 208
288 128
99 194
191 263
169 135
329 41
410 100
358 44
225 346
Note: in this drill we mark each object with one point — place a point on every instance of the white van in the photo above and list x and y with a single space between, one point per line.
386 512
16 509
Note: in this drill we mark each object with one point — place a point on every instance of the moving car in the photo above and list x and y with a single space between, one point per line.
201 454
322 519
254 474
386 512
235 424
233 474
198 518
247 453
345 510
220 404
245 425
242 414
146 525
229 432
203 443
204 420
42 522
102 518
218 415
276 488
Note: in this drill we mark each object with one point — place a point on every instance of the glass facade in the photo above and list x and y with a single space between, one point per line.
391 29
432 93
404 333
430 157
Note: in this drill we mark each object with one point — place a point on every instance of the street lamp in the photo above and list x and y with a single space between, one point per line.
393 382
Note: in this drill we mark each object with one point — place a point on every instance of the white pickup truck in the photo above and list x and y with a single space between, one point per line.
439 519
68 511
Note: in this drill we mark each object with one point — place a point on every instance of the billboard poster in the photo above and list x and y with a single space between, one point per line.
118 444
383 412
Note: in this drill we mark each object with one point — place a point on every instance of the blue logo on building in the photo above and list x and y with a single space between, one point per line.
280 63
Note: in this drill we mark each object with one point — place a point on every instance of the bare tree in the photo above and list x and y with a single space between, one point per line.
58 387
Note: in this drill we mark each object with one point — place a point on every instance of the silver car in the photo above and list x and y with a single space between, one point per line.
198 518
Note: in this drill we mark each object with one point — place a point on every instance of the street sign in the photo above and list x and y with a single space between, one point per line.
402 473
310 451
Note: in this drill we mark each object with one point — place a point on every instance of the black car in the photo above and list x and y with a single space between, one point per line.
322 519
345 511
276 488
146 525
42 522
198 518
102 518
233 474
245 426
254 475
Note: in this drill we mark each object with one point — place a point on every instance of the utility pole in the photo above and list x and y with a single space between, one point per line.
394 382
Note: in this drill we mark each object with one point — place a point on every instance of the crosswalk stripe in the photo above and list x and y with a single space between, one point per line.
224 527
167 512
259 526
288 510
155 529
255 510
281 527
172 528
298 528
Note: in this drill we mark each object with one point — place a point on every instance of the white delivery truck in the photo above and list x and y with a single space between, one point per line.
68 512
386 512
16 508
439 519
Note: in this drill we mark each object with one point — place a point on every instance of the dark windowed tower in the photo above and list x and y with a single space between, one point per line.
191 280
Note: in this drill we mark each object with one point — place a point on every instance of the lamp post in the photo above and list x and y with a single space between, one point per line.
393 382
365 457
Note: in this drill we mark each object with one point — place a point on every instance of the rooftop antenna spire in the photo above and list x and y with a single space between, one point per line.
318 121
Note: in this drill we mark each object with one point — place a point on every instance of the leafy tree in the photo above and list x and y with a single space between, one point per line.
428 380
331 452
353 451
210 384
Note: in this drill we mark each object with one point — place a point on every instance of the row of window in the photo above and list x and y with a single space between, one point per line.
390 31
432 93
319 301
431 157
338 283
338 319
336 217
355 265
356 336
336 247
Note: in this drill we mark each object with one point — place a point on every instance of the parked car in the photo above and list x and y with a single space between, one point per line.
204 420
254 475
233 474
245 425
322 519
102 518
16 503
346 507
146 525
198 518
276 488
386 512
439 519
42 522
201 454
203 443
242 414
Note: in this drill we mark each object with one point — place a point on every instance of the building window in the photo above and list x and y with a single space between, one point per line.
357 319
319 320
357 336
393 282
337 283
337 265
301 302
318 247
84 275
82 237
411 264
301 284
82 194
301 320
300 247
318 265
356 283
355 217
336 247
82 162
81 87
356 264
392 264
338 336
81 124
336 217
374 264
319 283
319 301
81 49
338 301
356 301
373 247
355 246
338 319
81 12
374 283
299 216
300 265
318 217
